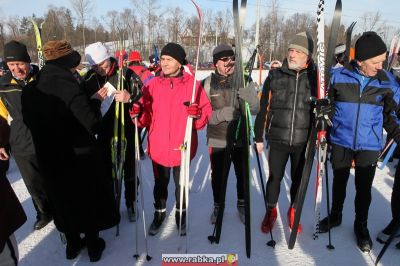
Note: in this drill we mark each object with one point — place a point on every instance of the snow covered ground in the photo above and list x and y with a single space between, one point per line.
45 248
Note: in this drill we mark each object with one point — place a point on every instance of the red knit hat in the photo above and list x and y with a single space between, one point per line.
134 56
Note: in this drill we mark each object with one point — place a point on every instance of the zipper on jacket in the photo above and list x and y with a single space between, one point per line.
294 110
358 114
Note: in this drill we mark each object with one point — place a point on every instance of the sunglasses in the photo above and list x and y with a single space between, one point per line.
226 59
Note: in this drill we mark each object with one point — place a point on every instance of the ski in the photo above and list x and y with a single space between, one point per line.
386 245
349 32
118 142
324 79
239 82
138 184
38 35
185 147
301 192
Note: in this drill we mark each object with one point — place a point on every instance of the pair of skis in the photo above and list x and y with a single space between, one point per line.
317 135
186 145
244 129
118 141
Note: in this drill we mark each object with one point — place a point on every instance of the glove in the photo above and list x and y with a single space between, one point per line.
228 114
193 110
135 110
324 110
249 94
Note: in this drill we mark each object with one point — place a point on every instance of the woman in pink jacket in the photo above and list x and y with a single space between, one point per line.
163 110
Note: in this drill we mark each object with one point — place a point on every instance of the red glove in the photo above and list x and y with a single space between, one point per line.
135 110
193 110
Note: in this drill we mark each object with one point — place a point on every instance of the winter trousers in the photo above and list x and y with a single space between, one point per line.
277 160
29 168
161 181
395 201
218 165
365 166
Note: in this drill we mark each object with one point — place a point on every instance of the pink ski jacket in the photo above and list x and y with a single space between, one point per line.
164 115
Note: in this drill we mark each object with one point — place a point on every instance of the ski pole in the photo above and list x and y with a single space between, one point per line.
329 246
272 242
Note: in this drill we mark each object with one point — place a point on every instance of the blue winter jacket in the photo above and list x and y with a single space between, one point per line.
363 107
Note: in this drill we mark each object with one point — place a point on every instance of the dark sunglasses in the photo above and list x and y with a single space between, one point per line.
226 59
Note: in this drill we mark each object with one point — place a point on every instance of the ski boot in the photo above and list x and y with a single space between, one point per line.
269 220
290 217
384 235
159 216
335 220
364 241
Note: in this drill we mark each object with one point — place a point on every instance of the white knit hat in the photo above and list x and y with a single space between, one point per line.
96 53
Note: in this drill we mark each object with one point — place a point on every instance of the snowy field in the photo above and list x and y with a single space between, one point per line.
45 248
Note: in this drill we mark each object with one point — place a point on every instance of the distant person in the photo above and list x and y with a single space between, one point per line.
340 55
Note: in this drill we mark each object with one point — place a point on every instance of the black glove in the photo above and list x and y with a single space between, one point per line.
324 110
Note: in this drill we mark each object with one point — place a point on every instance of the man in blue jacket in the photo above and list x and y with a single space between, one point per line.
365 97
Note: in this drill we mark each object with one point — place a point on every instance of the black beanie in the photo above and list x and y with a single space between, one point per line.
369 45
16 51
176 51
221 51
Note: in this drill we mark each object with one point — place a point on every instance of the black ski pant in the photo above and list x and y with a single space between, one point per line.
395 200
220 165
29 168
161 181
277 160
365 166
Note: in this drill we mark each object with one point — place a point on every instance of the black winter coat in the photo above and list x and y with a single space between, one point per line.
63 125
93 82
286 106
12 216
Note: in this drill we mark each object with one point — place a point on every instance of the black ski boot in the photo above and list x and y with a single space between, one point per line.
183 221
384 235
74 246
335 220
364 241
95 246
159 216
